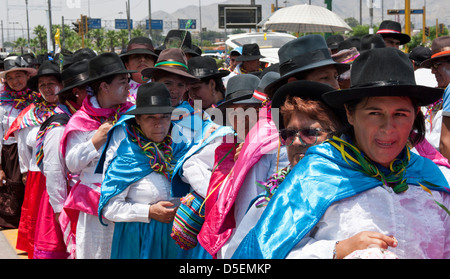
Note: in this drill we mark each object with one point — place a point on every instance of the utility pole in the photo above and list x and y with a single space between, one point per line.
424 25
129 20
28 23
200 16
50 21
150 19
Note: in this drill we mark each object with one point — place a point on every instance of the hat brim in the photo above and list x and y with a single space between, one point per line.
33 81
272 87
148 72
244 94
403 38
31 71
424 95
150 110
243 58
220 74
91 80
139 51
427 63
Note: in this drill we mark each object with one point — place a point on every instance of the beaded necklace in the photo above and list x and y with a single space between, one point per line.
397 167
159 153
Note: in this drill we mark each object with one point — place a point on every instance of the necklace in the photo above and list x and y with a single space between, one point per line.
395 179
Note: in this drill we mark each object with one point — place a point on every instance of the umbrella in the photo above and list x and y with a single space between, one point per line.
305 19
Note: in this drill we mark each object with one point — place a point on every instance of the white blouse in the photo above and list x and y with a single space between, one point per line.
133 204
421 227
7 116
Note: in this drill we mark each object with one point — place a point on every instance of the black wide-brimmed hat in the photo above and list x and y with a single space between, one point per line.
383 72
104 65
77 74
152 98
334 40
179 39
171 60
304 89
440 47
303 54
239 87
250 52
204 67
16 63
370 41
389 28
139 45
48 68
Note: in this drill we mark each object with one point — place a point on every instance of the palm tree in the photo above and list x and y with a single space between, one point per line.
97 36
111 39
122 36
138 33
20 43
41 34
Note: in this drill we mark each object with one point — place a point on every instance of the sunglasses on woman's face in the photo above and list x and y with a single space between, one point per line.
307 136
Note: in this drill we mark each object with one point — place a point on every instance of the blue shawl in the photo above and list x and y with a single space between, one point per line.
318 180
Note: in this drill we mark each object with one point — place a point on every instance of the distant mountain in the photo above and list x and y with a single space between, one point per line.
435 9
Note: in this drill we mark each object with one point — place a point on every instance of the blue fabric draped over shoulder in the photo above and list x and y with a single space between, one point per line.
321 178
132 165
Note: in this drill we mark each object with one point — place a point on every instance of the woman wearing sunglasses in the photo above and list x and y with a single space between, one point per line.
304 121
365 193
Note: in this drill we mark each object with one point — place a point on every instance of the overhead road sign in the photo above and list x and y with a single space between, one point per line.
94 23
123 24
157 24
402 12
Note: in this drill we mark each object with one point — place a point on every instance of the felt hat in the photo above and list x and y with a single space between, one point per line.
139 45
303 54
171 60
75 75
179 39
250 52
370 41
104 65
389 28
334 40
152 98
383 72
16 63
349 43
304 89
239 87
440 47
203 67
48 68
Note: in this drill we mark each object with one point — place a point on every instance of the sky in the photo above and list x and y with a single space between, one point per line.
14 11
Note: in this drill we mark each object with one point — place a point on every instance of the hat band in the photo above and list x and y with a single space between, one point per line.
259 96
304 60
382 83
237 95
171 63
203 72
388 31
75 79
440 53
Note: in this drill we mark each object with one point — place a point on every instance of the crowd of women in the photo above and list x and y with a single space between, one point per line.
337 151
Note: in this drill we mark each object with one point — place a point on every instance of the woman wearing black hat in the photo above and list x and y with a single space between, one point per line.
304 121
14 97
365 193
83 139
49 241
136 191
209 89
25 128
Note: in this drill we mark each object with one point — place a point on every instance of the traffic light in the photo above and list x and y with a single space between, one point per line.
441 28
84 21
427 31
76 27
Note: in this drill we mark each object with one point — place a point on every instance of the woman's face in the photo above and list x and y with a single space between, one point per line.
17 80
177 87
203 91
300 121
382 126
154 126
118 89
49 86
242 117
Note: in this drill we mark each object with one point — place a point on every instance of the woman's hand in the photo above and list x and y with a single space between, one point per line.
101 135
364 240
162 211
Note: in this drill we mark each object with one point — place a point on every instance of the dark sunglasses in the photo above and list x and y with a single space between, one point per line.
307 136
